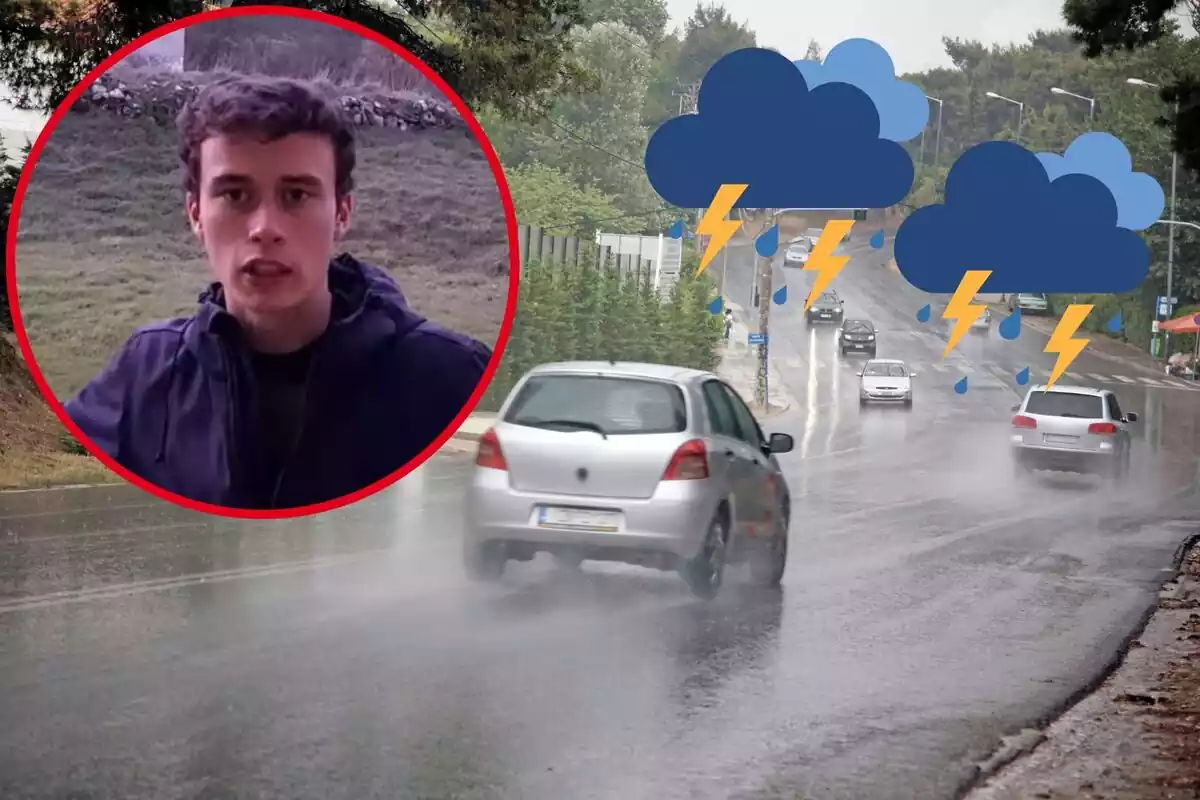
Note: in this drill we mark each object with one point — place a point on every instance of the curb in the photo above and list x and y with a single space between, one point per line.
982 771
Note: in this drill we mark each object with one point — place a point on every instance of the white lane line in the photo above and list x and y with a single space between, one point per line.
1123 379
1150 382
1101 378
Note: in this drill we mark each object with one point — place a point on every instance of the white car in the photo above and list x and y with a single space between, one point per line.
812 235
885 380
796 255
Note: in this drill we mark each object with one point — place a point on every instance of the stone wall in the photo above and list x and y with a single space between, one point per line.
161 98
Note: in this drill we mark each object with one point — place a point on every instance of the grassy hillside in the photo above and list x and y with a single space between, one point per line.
103 245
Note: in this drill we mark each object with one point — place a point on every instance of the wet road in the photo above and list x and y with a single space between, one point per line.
930 608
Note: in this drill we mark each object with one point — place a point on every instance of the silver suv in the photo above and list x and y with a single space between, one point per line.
646 464
1071 429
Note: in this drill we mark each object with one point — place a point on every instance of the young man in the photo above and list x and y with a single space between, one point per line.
302 376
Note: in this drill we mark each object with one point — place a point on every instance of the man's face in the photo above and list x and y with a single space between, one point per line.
268 217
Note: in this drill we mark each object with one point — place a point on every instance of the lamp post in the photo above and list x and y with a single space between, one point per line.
937 141
1020 110
1091 101
1171 221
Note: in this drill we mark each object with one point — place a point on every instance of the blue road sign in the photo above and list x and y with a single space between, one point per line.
758 338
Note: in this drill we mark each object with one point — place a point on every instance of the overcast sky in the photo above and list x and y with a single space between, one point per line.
910 30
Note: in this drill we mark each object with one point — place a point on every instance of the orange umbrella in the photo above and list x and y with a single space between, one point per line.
1188 324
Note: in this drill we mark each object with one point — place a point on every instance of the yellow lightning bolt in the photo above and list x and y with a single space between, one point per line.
1068 349
960 307
714 223
823 261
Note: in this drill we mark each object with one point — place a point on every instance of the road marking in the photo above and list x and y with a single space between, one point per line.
1123 379
1150 382
162 584
1101 378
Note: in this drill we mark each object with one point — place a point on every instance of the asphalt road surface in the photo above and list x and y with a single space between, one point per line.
931 607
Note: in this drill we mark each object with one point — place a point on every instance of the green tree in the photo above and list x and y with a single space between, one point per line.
549 198
10 173
647 18
507 55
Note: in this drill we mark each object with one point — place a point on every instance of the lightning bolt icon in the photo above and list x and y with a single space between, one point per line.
714 223
822 260
1067 348
961 309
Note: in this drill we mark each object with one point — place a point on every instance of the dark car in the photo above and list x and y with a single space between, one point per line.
826 308
857 336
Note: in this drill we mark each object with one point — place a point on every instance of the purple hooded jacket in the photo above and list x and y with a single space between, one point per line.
177 405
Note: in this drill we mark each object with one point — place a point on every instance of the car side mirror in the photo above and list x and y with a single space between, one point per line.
1131 416
780 443
1016 408
859 373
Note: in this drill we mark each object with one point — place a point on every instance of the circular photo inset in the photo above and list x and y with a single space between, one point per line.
263 262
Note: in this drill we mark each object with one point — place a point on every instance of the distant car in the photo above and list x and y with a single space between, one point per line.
812 235
885 380
796 255
981 324
828 307
857 336
1071 429
1030 303
646 464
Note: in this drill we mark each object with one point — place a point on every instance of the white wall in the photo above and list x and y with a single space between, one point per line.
17 126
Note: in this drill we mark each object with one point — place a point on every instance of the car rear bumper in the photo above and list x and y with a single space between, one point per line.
859 347
872 397
1061 459
672 523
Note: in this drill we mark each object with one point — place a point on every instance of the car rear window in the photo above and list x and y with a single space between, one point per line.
607 404
1065 404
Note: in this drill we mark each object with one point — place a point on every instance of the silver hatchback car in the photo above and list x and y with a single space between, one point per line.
1071 429
646 464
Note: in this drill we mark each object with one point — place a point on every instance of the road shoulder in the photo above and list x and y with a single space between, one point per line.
1137 737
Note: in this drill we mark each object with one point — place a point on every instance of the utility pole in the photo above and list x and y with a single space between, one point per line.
763 267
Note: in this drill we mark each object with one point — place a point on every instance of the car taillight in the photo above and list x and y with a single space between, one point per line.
689 463
1022 421
489 453
1102 428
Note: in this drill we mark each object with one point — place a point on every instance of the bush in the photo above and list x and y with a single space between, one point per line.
581 312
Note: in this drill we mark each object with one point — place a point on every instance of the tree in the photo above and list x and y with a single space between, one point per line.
508 55
1114 26
647 18
549 198
10 173
813 53
709 33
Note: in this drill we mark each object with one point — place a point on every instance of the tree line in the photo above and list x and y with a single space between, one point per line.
585 311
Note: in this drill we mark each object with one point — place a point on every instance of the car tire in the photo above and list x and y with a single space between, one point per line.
705 573
768 563
484 562
908 404
862 402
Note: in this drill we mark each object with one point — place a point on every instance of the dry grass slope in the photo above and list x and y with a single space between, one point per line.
103 246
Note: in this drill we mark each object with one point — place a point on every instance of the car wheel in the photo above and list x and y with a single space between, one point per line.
769 562
862 401
705 573
908 403
485 561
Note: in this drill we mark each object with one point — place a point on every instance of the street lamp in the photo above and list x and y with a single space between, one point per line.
937 142
1091 101
1171 221
1020 110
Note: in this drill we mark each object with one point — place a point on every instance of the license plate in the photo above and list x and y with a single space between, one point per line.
826 314
578 518
1054 438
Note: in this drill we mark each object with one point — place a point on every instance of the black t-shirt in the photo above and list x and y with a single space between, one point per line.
282 386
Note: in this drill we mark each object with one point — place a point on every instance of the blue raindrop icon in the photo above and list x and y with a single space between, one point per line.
768 243
1114 324
923 313
1010 328
676 230
877 239
780 296
1023 376
961 386
715 305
